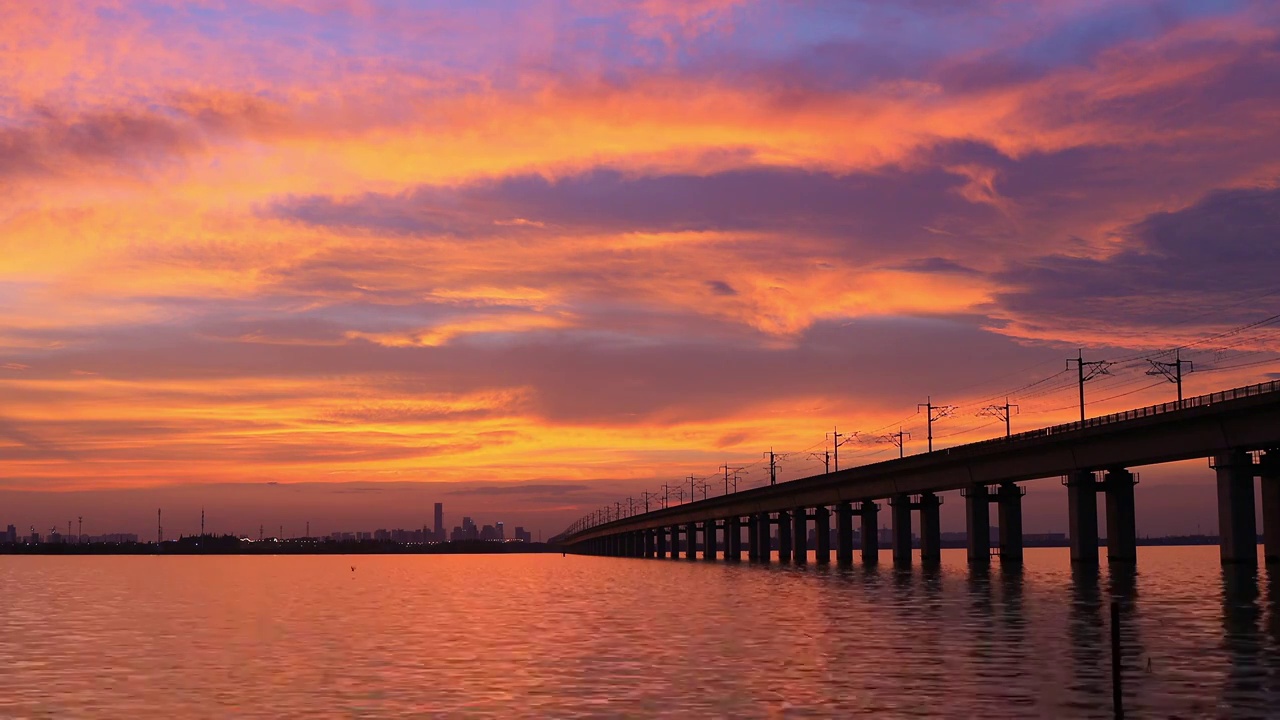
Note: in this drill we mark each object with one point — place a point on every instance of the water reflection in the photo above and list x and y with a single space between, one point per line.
1241 616
1086 630
600 637
1273 606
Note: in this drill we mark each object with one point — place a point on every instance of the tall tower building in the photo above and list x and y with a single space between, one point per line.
440 522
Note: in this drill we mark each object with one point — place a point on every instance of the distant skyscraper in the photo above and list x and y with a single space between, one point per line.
440 522
502 531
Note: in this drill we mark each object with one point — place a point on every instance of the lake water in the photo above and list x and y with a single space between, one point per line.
552 636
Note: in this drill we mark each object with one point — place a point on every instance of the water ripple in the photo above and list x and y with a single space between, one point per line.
579 637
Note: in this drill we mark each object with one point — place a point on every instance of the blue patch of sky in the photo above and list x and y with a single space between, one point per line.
838 44
1078 40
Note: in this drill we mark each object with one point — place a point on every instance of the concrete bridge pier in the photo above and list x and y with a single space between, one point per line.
870 513
977 523
1269 469
1122 526
753 539
930 529
691 541
1009 511
648 543
900 511
675 542
661 534
764 527
784 537
732 539
822 535
844 534
709 540
1082 516
1237 523
800 536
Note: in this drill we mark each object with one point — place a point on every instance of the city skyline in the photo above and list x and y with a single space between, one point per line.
436 531
329 261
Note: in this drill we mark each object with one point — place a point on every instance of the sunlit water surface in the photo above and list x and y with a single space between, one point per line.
552 636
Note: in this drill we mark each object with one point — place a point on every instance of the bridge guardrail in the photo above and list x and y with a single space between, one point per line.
1149 411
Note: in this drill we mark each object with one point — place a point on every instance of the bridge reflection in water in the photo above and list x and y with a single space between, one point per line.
1237 430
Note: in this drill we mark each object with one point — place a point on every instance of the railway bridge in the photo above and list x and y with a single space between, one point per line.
1237 430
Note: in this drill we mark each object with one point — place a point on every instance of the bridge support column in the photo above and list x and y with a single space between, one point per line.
691 538
1082 516
762 529
930 529
709 540
1122 524
784 536
662 542
1009 512
844 534
649 544
1269 469
900 511
870 513
1237 523
753 539
675 541
732 539
800 536
822 535
977 522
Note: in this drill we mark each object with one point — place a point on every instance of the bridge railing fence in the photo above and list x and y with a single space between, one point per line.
1149 411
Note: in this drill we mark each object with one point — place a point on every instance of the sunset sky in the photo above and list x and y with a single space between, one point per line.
336 260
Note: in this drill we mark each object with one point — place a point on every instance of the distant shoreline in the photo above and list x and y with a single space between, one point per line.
235 546
302 546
